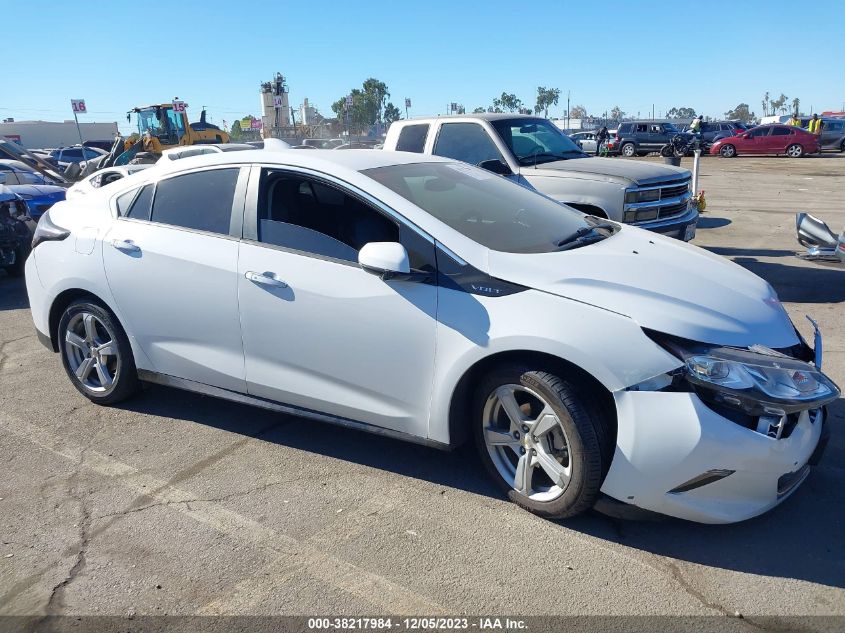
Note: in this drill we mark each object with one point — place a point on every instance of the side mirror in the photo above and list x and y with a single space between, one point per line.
746 136
496 166
386 259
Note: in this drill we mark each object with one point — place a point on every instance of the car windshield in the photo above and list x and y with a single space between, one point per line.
486 208
670 127
536 141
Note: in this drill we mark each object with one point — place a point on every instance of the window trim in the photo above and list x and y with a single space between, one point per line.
428 126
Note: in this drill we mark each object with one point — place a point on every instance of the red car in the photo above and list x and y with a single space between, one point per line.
768 139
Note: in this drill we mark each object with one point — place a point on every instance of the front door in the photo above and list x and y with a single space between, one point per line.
319 332
171 264
757 141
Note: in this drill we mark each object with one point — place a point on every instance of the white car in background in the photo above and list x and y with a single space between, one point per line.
101 178
430 300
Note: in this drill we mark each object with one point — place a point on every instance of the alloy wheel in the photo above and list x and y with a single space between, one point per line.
92 352
527 442
628 150
728 151
795 151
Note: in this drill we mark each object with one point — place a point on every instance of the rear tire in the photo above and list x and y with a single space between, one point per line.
727 151
795 151
628 150
552 459
96 353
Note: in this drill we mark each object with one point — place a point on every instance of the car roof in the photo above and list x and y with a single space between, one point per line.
484 116
15 164
319 159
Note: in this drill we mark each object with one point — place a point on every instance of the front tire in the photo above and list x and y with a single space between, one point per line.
628 150
540 440
728 151
96 353
795 151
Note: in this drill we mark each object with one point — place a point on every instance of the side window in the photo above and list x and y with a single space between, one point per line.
95 181
200 201
781 131
412 138
656 129
467 142
764 131
309 215
140 209
642 127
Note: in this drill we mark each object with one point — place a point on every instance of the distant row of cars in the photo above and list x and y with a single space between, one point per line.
723 138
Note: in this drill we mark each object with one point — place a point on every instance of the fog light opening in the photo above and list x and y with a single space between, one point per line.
702 480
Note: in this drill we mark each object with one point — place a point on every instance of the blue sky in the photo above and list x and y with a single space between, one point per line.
708 55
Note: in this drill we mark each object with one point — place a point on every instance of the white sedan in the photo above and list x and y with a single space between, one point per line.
101 178
433 301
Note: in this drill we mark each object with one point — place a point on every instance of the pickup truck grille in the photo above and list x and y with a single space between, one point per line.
660 201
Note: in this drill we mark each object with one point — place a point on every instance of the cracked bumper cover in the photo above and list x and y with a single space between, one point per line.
666 439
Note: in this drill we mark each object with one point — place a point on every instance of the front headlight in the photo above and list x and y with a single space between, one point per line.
757 382
642 195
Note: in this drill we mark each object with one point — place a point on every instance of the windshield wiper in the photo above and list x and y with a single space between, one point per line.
585 235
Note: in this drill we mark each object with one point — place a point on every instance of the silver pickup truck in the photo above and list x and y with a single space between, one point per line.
535 153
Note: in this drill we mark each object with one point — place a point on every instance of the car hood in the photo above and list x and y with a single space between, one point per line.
39 191
638 172
661 283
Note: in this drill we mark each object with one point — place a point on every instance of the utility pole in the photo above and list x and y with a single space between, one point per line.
652 112
567 109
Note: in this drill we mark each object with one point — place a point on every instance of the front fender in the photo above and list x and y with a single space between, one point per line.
610 347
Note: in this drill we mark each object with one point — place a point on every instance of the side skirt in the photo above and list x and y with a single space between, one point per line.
278 407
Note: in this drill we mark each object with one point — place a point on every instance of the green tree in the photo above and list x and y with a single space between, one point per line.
616 114
479 110
508 101
681 113
578 112
368 106
236 131
391 113
546 97
765 104
740 113
779 104
796 102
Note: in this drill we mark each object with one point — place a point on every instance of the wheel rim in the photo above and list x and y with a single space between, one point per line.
628 150
527 442
794 150
91 352
728 150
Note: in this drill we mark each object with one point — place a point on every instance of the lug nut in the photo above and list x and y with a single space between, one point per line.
522 450
516 435
524 428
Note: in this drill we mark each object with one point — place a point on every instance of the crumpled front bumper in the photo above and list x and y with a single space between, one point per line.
667 438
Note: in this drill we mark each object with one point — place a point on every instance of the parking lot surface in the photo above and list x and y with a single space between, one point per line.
181 504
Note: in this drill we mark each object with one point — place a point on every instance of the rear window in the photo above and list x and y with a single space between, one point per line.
140 209
412 138
781 131
201 201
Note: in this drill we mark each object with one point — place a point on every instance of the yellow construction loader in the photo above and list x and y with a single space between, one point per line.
163 126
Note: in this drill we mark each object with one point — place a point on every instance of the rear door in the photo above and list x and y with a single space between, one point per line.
779 140
319 332
171 261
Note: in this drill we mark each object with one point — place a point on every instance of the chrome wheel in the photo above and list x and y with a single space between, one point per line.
795 151
628 150
728 151
527 442
91 352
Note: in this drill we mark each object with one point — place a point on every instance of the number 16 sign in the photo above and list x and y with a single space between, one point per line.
78 106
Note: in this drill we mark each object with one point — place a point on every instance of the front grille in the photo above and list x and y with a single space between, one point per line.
674 191
654 207
672 210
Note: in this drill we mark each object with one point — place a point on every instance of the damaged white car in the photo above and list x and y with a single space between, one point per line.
433 301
